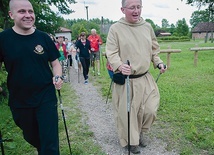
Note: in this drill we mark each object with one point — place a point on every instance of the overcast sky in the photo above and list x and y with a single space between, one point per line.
156 10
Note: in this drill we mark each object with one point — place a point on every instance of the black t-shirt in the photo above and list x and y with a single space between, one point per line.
26 58
84 49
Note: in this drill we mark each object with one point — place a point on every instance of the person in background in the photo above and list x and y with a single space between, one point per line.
61 46
27 54
133 39
63 55
83 48
95 41
53 38
73 52
69 54
109 67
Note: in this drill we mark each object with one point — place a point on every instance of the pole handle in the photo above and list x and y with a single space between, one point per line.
128 62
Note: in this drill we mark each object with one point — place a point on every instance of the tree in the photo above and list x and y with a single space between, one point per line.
172 29
62 5
199 16
43 7
182 28
84 26
46 19
200 3
4 13
165 23
152 23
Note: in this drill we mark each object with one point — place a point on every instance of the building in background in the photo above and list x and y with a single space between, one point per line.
202 29
65 32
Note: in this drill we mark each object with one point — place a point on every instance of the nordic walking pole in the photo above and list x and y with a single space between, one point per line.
2 146
109 90
158 77
78 65
93 61
128 108
159 74
101 55
63 116
78 72
2 141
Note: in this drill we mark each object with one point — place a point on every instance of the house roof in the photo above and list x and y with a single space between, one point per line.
165 34
204 27
63 29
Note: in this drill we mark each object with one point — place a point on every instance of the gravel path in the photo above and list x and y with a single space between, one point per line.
101 120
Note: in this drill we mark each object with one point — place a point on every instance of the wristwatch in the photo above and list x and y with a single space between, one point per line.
57 77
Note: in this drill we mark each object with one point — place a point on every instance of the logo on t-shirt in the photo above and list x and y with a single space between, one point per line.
39 49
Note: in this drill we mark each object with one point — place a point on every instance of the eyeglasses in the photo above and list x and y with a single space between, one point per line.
132 8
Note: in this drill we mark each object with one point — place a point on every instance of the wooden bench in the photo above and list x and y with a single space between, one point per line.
196 49
169 51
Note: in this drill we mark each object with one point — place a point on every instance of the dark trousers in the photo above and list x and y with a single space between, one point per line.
39 126
85 65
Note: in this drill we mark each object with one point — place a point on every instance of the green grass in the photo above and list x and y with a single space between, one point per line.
185 117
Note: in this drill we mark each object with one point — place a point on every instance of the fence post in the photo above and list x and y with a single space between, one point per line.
195 58
168 57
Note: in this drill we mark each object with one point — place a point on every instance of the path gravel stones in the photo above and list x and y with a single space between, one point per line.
101 121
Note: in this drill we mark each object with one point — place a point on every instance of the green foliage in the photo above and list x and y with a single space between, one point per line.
173 39
104 37
3 75
152 23
165 23
84 26
199 16
44 15
182 28
207 3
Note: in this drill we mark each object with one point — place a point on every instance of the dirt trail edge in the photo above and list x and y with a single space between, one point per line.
101 120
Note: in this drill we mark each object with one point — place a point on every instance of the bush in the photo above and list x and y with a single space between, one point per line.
103 36
173 39
3 75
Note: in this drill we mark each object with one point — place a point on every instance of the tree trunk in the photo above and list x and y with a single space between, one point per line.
212 39
206 37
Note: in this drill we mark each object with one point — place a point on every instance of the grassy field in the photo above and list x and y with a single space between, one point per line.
185 117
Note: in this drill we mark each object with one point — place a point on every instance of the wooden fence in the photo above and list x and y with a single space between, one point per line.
169 51
196 50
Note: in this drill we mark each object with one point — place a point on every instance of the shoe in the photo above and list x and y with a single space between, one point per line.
142 141
135 149
86 81
98 73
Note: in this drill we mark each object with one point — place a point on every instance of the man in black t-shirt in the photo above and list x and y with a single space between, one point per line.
27 54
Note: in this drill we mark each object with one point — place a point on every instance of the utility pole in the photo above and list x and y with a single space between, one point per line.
86 12
102 25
